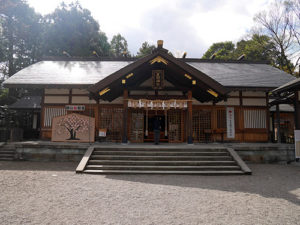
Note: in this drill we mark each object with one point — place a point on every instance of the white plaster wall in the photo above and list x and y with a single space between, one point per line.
80 91
56 91
82 100
234 93
230 101
254 93
254 101
196 102
118 100
56 99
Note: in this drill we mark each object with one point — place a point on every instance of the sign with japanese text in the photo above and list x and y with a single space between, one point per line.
230 122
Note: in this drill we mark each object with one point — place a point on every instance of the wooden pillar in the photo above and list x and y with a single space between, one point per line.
278 123
297 111
214 122
97 122
125 115
241 115
273 127
190 119
268 117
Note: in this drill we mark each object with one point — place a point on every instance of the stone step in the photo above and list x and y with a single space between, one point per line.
7 152
6 159
162 163
208 172
160 153
133 167
161 158
162 149
7 155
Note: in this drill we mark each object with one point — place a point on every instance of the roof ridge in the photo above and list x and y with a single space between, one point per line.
63 58
224 61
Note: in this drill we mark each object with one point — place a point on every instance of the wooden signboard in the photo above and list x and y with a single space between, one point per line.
73 128
230 122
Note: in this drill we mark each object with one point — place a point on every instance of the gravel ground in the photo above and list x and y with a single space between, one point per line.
51 193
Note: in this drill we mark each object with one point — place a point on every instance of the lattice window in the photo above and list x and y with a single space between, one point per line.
175 125
255 118
111 119
88 112
137 126
50 113
202 125
221 118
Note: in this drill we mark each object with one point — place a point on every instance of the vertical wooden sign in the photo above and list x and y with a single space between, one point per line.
230 122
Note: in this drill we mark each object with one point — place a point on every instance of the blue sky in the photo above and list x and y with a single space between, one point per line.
184 25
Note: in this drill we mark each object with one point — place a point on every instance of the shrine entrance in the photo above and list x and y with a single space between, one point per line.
171 125
149 122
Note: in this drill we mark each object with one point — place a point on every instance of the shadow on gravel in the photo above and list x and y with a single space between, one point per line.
271 181
38 166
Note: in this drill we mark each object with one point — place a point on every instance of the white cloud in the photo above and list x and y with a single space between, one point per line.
188 25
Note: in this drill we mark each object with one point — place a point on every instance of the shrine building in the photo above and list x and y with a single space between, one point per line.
195 100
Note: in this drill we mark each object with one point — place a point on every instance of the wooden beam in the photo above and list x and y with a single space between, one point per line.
268 116
297 111
278 123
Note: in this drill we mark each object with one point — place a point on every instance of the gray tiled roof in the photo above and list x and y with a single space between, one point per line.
65 72
283 108
292 84
27 102
46 73
244 74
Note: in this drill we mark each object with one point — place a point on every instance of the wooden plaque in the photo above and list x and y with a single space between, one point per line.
73 128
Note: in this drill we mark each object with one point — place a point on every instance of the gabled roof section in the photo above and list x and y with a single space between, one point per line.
242 74
290 86
63 73
203 81
27 102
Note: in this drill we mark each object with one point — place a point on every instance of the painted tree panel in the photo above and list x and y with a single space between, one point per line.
73 128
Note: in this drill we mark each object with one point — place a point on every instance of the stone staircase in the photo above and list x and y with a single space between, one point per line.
7 152
162 160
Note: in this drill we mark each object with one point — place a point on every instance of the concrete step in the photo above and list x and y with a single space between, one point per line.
133 167
208 172
160 153
7 155
161 158
7 152
6 159
161 149
162 163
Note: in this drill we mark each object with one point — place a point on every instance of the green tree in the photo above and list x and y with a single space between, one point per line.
258 48
221 50
119 46
146 49
20 34
72 30
277 23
